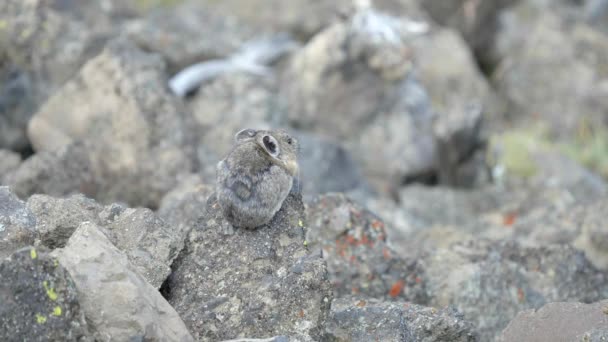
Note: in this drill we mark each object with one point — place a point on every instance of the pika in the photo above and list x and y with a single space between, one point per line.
256 176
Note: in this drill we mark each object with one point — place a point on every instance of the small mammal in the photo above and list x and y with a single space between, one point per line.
256 176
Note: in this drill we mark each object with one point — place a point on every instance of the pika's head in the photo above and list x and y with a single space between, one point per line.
278 145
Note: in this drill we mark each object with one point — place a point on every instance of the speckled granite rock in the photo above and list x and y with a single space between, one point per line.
238 283
39 300
364 320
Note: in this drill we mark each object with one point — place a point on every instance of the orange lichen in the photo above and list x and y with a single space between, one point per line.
386 253
509 219
396 288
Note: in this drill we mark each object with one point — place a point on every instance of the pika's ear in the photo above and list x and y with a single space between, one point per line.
271 145
247 133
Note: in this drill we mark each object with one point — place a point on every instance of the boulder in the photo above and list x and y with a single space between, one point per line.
127 122
233 283
491 282
118 302
58 218
66 171
39 300
150 244
188 33
233 102
566 90
326 166
560 322
359 260
300 17
10 161
42 47
354 319
477 21
388 125
182 207
17 223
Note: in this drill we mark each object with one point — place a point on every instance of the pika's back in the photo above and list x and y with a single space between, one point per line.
256 176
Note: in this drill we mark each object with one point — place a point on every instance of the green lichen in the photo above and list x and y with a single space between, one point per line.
514 151
57 311
41 319
50 292
33 253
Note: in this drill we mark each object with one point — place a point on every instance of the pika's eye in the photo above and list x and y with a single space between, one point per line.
289 141
271 145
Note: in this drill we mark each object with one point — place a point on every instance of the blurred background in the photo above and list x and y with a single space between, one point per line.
451 120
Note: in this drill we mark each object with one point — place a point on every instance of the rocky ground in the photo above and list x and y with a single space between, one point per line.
452 183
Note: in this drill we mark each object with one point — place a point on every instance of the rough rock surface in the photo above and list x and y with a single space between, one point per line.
17 223
263 282
150 244
42 47
63 172
300 17
581 225
359 260
326 166
188 33
231 103
477 21
184 206
567 89
117 300
355 319
490 282
57 219
39 300
391 112
127 121
560 322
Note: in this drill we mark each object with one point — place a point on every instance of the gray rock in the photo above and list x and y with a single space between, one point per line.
460 93
182 207
42 48
150 244
326 166
387 126
491 282
359 260
17 104
373 320
10 161
189 32
560 322
117 300
263 282
566 90
66 171
39 300
58 218
300 17
17 223
578 224
477 21
231 103
127 122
